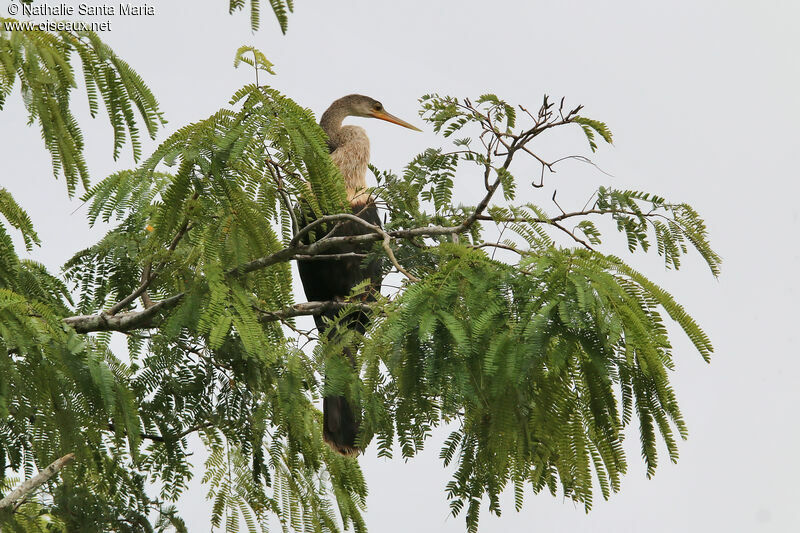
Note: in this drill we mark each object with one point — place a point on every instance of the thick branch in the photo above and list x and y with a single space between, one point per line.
150 317
33 483
147 318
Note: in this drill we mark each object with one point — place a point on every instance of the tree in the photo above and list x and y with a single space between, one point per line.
538 354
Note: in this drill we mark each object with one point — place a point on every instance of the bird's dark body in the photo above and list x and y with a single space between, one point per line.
333 279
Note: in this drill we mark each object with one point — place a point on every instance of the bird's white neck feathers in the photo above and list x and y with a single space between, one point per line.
352 158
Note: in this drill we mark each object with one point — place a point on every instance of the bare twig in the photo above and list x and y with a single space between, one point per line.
498 245
564 216
571 234
505 227
388 249
582 159
558 206
544 163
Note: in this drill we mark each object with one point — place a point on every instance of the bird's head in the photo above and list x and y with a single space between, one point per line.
358 105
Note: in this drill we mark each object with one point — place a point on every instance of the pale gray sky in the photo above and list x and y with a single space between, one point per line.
702 97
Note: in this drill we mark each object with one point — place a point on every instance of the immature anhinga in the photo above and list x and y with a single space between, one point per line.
332 279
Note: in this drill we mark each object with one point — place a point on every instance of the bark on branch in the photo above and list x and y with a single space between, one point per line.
151 317
131 320
26 487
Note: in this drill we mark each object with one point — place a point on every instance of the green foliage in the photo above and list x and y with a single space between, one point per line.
30 517
259 61
217 210
540 363
281 9
674 225
590 127
42 62
431 174
18 219
539 360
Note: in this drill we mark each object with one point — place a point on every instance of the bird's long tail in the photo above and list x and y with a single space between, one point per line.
339 424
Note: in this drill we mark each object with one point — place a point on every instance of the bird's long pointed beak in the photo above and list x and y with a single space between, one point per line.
383 115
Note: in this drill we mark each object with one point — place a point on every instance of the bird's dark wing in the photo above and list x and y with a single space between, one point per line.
334 279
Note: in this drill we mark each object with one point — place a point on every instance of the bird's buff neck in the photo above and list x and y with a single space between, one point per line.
350 146
331 123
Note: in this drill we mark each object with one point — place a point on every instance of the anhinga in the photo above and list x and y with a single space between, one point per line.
332 279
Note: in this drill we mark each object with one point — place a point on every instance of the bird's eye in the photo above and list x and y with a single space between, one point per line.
377 106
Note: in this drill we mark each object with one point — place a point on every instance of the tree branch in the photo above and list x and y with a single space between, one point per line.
317 250
311 308
498 245
150 317
21 492
571 234
559 218
123 321
147 278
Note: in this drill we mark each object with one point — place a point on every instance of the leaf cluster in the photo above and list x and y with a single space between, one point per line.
43 64
281 9
540 365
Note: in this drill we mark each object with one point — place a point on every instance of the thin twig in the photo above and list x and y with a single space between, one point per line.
149 273
568 232
311 308
498 245
583 212
558 206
